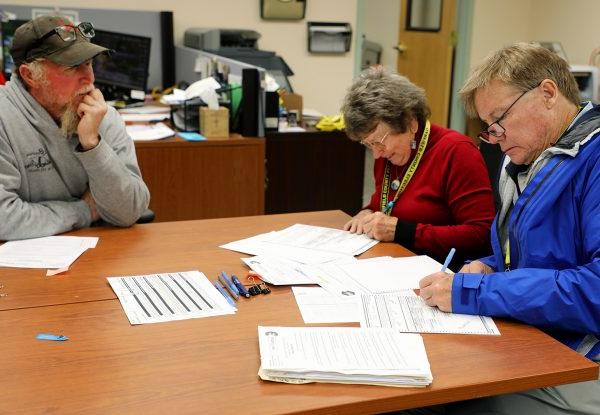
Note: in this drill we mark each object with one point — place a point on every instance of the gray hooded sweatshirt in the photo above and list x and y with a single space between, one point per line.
43 176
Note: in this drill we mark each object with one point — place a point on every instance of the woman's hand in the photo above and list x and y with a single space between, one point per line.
354 225
375 225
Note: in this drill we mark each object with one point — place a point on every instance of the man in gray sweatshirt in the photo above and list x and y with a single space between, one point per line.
66 160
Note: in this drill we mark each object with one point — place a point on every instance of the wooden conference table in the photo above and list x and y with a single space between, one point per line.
210 365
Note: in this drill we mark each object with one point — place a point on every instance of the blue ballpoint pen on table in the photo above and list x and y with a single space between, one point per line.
228 287
230 282
220 288
448 259
243 291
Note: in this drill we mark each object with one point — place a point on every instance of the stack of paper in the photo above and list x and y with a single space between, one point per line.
148 132
167 297
343 355
48 252
280 271
305 244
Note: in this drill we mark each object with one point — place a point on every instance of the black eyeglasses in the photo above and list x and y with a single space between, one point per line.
496 129
68 33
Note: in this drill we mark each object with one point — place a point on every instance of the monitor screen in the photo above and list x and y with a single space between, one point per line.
8 31
127 67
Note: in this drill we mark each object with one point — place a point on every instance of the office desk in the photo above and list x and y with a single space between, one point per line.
150 248
313 170
199 180
209 365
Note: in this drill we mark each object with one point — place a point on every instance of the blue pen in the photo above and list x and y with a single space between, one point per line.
448 259
230 283
220 288
227 286
243 291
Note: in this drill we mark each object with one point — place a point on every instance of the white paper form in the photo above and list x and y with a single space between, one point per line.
324 239
334 279
343 354
259 245
409 313
394 274
145 117
280 271
318 305
149 132
167 297
146 109
46 252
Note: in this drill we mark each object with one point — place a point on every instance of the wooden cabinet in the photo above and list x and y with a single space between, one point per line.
201 180
309 171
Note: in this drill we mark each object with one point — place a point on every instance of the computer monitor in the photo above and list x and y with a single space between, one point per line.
8 31
126 68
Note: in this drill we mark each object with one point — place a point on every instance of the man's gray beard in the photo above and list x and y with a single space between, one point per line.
69 121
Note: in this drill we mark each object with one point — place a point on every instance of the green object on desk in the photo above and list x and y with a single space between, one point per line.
236 97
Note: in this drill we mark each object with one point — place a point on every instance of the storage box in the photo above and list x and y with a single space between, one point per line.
214 124
293 102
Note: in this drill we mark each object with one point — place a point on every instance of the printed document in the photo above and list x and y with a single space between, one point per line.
333 277
305 243
280 271
46 252
343 355
390 274
149 132
259 245
408 313
318 305
323 239
166 297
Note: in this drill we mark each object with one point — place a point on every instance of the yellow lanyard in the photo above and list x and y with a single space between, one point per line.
386 207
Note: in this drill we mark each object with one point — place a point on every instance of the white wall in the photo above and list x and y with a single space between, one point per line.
322 80
499 23
574 23
381 25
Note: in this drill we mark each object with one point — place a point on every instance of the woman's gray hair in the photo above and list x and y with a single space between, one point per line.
523 66
379 95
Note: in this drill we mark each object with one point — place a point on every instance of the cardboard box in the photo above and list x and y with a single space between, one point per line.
293 102
214 124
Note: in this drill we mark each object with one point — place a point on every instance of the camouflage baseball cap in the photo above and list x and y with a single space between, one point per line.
56 39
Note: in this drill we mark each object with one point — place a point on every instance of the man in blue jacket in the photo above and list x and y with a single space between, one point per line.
545 270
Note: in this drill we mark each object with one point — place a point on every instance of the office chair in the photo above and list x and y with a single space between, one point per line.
493 157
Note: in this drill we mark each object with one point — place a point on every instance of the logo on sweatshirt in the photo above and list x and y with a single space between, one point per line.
38 161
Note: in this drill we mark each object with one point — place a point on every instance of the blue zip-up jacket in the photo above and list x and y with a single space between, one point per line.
554 234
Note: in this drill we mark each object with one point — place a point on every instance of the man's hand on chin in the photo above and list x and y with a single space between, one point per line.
91 110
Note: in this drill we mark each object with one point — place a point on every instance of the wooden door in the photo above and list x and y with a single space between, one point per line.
425 45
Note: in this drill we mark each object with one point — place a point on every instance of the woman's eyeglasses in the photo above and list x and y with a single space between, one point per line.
377 144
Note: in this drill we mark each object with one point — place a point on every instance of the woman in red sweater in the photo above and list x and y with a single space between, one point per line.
432 190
